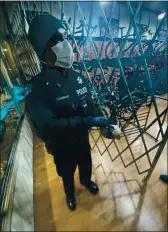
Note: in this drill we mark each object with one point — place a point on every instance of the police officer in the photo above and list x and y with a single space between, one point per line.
60 106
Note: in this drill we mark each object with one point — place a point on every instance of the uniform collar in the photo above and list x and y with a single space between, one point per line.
47 69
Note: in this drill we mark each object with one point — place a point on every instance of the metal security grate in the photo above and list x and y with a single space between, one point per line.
125 71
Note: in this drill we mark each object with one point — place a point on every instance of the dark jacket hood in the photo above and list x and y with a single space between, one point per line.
41 29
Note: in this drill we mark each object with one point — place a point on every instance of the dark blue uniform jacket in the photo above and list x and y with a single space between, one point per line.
53 101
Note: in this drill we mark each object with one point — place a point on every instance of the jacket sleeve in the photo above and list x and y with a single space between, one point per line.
43 117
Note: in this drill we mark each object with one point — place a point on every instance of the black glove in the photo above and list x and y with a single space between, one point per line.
102 122
90 121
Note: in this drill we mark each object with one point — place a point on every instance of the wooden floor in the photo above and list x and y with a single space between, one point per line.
124 203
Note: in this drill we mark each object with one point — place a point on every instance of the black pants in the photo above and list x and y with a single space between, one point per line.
66 161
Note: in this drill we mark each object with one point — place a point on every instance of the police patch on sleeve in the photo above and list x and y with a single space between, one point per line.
79 80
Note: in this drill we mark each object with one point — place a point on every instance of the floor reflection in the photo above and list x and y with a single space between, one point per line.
123 204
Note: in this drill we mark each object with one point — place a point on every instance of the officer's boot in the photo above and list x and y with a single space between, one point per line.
71 202
92 187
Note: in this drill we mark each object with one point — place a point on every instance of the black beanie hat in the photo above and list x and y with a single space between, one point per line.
41 29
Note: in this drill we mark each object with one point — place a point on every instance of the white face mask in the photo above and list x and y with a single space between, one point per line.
64 53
